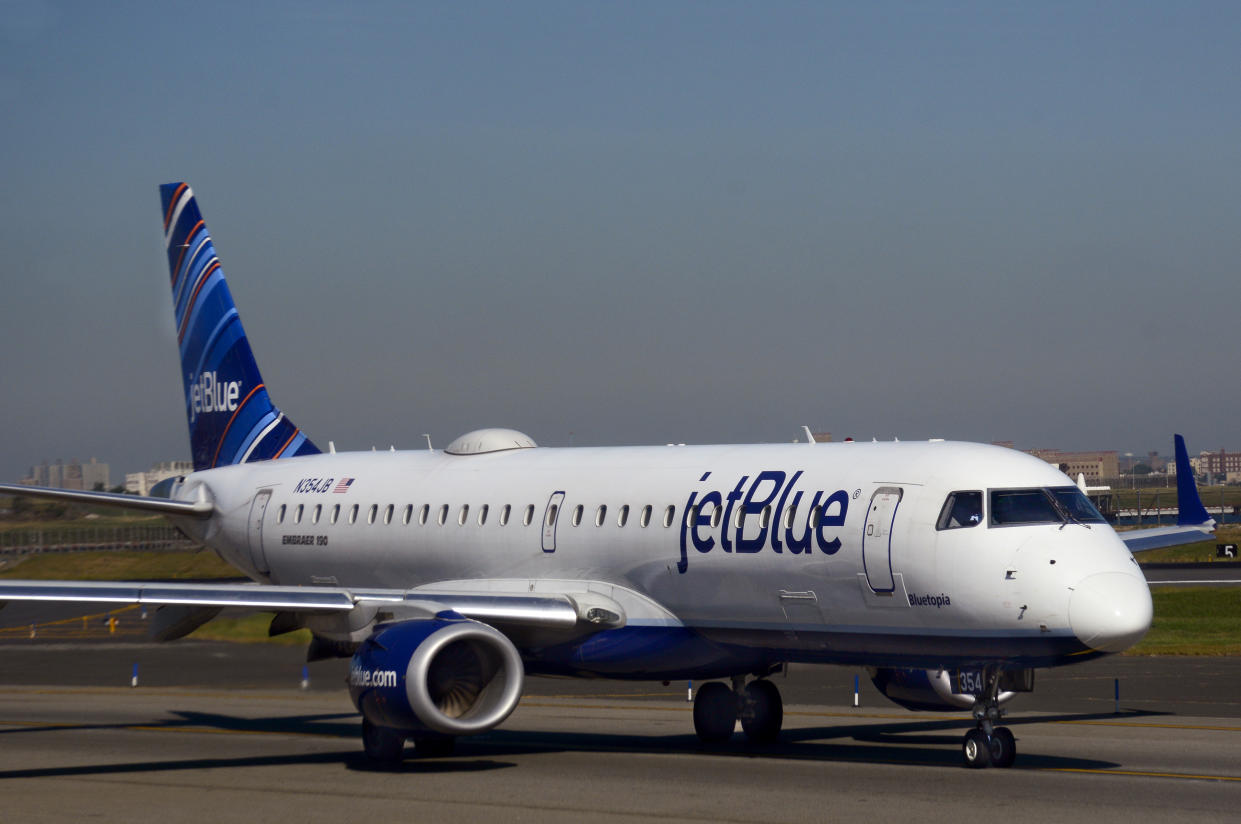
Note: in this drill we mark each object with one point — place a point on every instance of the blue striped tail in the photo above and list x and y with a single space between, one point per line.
232 419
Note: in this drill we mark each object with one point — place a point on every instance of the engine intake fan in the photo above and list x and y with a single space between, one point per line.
446 675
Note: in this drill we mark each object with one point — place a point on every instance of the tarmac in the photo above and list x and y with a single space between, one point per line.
236 732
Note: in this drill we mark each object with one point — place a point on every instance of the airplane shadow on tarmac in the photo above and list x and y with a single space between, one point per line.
886 742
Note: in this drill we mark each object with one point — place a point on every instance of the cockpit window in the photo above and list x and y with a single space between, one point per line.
1055 505
1022 506
1076 505
961 510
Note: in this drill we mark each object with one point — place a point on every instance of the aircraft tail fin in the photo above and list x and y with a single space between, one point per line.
1189 502
232 419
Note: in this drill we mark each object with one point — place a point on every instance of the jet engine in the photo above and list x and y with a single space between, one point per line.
934 690
444 675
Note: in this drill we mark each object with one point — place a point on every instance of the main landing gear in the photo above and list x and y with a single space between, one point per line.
757 705
386 746
987 744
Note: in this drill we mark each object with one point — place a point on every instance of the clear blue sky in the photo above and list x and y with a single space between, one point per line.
632 222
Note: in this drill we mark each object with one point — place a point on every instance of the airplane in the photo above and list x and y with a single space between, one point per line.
950 570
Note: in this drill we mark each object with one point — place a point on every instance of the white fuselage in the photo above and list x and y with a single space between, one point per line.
825 552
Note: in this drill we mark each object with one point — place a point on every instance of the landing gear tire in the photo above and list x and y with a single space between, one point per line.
975 750
762 712
1003 747
715 713
434 746
383 745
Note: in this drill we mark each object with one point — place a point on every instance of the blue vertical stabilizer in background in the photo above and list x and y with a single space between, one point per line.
231 417
1188 501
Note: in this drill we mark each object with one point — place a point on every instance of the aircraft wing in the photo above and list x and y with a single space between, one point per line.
162 506
548 610
1142 540
1193 524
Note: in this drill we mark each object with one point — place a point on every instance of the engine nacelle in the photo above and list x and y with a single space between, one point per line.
446 675
931 690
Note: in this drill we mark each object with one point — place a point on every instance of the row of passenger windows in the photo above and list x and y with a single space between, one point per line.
441 515
578 514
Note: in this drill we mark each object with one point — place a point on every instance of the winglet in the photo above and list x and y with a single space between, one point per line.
1192 512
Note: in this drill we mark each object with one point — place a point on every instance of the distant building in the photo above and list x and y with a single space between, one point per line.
73 475
140 483
1095 466
1218 463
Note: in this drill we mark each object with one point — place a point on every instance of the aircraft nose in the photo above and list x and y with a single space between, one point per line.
1110 611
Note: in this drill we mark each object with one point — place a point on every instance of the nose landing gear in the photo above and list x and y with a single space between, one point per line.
988 744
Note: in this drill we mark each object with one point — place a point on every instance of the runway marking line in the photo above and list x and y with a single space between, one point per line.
1142 774
1210 728
158 728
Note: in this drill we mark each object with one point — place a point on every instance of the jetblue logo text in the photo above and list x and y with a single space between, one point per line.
765 510
359 677
210 394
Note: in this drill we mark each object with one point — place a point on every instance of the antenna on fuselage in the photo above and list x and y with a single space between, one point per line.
331 447
809 435
427 435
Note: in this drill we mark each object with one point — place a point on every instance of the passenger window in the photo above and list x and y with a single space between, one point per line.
961 510
717 515
280 514
529 516
464 514
738 516
335 514
353 514
551 514
423 514
601 514
482 514
314 517
504 513
765 519
370 516
297 514
443 518
623 516
409 514
388 513
645 520
577 515
669 514
789 515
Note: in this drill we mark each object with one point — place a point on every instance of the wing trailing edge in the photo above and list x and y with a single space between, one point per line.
162 506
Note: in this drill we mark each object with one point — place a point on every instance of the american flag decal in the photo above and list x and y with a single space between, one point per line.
344 485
